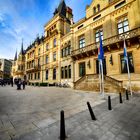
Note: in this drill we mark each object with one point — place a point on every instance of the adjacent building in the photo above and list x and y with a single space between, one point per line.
68 52
5 70
1 72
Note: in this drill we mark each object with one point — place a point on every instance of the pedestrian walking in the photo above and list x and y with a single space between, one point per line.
11 82
19 84
23 83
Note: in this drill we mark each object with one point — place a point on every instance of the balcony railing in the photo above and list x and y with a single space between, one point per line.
109 41
34 68
19 72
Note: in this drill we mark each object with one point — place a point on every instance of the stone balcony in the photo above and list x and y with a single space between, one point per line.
34 68
19 72
114 42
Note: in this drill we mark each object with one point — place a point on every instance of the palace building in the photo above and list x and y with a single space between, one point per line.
18 65
68 52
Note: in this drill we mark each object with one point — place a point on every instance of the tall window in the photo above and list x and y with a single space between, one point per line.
47 59
47 46
66 72
98 33
66 51
29 76
124 64
69 50
82 42
54 56
69 71
62 72
62 53
54 42
54 74
47 74
82 70
123 25
38 75
38 61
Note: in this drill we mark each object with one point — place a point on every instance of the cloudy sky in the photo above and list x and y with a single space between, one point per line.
26 18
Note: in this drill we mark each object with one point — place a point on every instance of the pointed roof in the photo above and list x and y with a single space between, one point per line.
22 51
15 56
61 8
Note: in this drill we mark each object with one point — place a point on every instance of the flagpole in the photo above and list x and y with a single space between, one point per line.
102 78
128 71
129 77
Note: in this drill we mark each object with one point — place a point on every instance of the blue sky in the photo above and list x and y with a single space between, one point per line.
26 18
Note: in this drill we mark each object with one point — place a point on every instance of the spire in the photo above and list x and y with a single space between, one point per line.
61 8
22 51
15 56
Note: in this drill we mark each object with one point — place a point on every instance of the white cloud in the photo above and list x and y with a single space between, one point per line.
24 19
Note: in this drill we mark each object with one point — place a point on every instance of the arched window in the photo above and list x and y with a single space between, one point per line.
98 7
94 10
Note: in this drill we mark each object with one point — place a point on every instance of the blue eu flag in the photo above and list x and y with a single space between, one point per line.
100 50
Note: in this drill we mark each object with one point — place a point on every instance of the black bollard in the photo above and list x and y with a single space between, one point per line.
127 97
62 126
109 103
121 98
91 112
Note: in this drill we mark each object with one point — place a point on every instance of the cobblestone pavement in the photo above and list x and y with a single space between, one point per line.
34 115
121 123
36 108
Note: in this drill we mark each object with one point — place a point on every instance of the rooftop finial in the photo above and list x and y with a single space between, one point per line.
22 51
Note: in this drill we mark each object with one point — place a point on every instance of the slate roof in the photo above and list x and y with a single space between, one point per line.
62 8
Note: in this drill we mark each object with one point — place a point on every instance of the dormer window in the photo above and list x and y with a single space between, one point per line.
98 7
94 10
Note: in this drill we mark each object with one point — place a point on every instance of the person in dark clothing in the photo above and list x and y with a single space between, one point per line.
23 83
19 84
11 82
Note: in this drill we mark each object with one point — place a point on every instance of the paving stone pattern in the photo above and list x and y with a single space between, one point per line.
33 114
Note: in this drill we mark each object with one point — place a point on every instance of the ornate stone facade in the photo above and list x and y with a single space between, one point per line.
68 51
